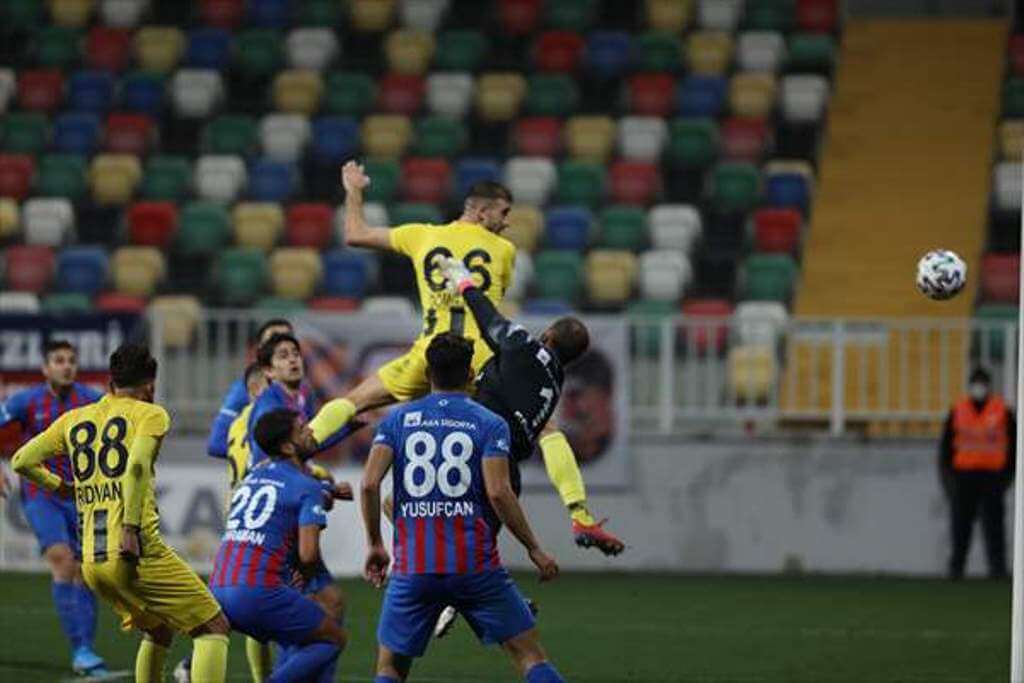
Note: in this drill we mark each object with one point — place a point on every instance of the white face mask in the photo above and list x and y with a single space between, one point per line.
978 391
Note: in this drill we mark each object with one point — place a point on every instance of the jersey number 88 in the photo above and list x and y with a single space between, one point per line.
420 449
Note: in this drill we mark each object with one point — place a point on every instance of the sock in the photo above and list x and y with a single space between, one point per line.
65 600
385 679
564 473
260 659
210 658
306 663
543 673
149 662
328 422
86 603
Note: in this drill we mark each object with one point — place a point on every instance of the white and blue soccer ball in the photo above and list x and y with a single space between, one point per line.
941 274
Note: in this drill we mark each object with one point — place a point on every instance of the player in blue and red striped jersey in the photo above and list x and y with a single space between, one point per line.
55 520
452 487
273 530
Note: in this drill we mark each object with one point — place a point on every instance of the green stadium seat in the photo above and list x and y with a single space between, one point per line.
24 133
734 187
167 177
439 136
692 142
769 277
646 317
658 51
62 175
240 276
571 15
551 95
352 94
558 274
812 52
279 304
22 14
1013 98
231 134
580 182
204 228
769 15
258 52
327 13
990 340
624 227
62 303
460 51
57 46
384 176
401 214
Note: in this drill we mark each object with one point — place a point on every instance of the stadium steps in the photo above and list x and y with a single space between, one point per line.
905 169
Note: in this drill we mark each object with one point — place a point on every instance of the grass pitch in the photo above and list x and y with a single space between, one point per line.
647 628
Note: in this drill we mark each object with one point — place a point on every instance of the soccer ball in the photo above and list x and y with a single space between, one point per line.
941 274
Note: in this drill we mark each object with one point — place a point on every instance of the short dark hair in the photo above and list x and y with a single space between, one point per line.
273 429
273 322
980 375
568 338
57 345
131 365
265 354
489 189
449 358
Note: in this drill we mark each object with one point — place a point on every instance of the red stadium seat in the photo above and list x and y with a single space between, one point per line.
743 139
16 171
116 302
817 15
40 89
426 180
538 136
652 94
222 13
309 225
558 51
999 274
1017 54
401 93
777 230
108 48
129 134
712 335
633 182
152 224
29 268
334 304
519 17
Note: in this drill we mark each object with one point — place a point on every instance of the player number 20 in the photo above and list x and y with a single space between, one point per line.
456 450
252 508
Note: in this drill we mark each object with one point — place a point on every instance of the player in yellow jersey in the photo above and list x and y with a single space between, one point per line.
113 445
238 433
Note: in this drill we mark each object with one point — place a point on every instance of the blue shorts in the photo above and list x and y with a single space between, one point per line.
280 614
490 602
54 521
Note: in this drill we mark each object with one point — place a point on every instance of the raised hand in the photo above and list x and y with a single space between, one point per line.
353 177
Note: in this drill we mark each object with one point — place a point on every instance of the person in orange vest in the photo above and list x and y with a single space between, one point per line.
976 464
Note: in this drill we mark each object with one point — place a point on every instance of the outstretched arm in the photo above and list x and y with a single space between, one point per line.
496 329
357 232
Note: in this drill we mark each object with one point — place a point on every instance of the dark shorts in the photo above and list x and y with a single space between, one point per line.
280 614
54 521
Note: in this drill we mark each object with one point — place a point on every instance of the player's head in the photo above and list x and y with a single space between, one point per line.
568 338
488 203
60 363
281 358
282 433
255 380
979 385
133 370
271 327
449 362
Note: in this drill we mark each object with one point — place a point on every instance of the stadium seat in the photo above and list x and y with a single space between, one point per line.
753 371
777 230
116 302
609 54
129 134
409 51
744 139
223 14
568 227
471 170
386 135
439 136
113 178
812 53
425 15
580 182
91 91
537 136
351 94
499 96
40 89
760 51
71 13
284 136
1000 274
371 16
257 225
8 87
230 134
415 212
989 318
159 48
652 94
1013 97
375 213
531 179
571 15
646 320
449 94
401 93
658 51
734 186
272 181
385 175
1006 184
26 133
17 172
426 180
208 48
335 139
240 276
28 268
642 138
295 272
138 270
518 17
166 177
48 221
701 96
559 275
334 304
122 13
1011 140
258 52
460 50
56 46
623 227
674 226
709 53
769 277
23 14
610 276
10 218
152 224
709 327
178 317
804 97
347 274
785 189
61 175
633 182
143 93
1016 54
524 226
769 15
310 225
558 51
719 15
752 94
82 269
203 230
590 138
820 16
760 322
664 275
668 15
298 91
551 95
693 143
19 302
220 177
67 303
196 92
74 133
522 277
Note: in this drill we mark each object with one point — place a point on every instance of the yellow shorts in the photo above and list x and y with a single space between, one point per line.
160 590
406 376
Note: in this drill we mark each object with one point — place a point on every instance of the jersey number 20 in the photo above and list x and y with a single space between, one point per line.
252 509
456 450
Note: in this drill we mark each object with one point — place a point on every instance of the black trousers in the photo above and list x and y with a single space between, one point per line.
971 493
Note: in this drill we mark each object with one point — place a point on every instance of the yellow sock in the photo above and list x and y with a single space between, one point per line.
210 658
260 661
149 662
564 473
331 417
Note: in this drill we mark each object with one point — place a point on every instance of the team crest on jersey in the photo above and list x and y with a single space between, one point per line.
412 419
501 444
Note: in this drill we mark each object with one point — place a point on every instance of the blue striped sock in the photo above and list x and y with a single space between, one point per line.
86 615
543 673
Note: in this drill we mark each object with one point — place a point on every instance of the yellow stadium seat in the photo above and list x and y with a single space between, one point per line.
298 91
158 48
590 138
9 221
257 224
386 135
752 372
610 274
499 95
138 270
1011 139
113 178
176 318
524 226
372 16
71 13
669 15
409 51
295 272
709 53
752 94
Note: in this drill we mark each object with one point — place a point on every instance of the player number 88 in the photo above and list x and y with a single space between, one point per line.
456 450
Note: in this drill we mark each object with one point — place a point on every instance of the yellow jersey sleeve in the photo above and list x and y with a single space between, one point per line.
154 421
406 238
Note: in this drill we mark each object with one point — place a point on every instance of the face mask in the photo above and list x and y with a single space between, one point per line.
978 391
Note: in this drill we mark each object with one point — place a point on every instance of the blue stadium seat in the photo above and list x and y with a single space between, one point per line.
548 307
346 273
269 13
472 170
208 48
82 269
90 91
335 139
568 227
142 93
701 95
609 53
787 190
76 133
272 181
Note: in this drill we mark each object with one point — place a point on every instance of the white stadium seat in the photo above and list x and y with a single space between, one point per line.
197 92
311 48
664 274
760 322
123 13
48 221
220 177
423 14
19 302
284 136
719 15
674 226
450 94
804 97
642 137
760 50
1007 182
531 179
